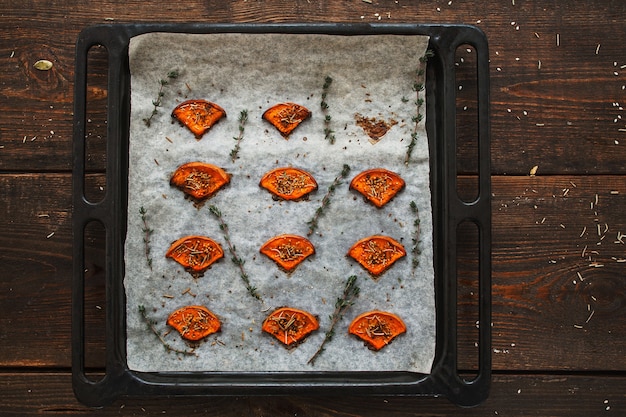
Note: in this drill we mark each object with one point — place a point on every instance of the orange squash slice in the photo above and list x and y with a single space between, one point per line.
377 253
198 180
377 328
195 253
194 322
289 183
286 117
377 185
198 115
289 325
288 251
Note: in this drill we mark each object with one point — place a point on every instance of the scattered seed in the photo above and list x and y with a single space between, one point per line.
50 235
533 170
43 65
597 49
578 326
558 39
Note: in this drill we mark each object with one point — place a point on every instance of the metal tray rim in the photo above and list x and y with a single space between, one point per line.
448 212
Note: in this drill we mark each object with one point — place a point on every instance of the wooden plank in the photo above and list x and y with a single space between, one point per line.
561 116
542 309
29 394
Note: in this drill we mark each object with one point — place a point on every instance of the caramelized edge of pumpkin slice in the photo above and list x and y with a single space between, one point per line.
194 322
290 325
195 253
289 183
286 116
198 115
287 251
199 180
373 253
378 185
377 328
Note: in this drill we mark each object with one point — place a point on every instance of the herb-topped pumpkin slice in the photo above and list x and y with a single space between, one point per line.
286 117
287 250
289 325
377 185
198 115
376 253
194 322
195 253
289 183
199 180
377 328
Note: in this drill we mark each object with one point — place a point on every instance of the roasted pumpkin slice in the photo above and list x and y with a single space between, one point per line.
377 253
289 325
377 328
286 116
194 322
287 250
195 253
377 185
198 180
289 183
198 115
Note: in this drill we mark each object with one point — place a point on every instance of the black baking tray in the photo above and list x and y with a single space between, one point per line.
449 211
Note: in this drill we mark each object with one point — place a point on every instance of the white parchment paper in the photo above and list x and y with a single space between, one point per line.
372 76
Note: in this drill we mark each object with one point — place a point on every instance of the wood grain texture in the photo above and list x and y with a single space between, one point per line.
559 115
542 309
559 283
520 395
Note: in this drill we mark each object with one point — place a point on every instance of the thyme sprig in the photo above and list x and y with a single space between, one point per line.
158 101
236 259
328 133
326 200
147 233
348 298
243 118
418 87
415 250
152 326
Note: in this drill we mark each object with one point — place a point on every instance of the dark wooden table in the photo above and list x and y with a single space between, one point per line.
558 76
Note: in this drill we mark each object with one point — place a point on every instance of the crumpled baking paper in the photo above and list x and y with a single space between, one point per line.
373 76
